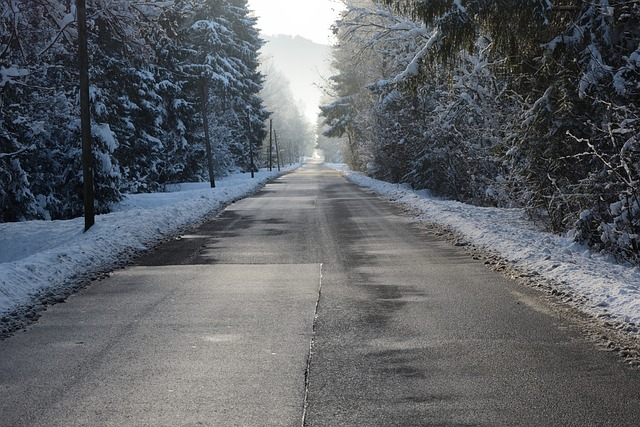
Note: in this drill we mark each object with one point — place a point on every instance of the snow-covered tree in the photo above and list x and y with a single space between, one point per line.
530 103
146 61
27 32
218 48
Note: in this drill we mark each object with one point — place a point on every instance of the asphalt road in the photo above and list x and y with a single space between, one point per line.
313 302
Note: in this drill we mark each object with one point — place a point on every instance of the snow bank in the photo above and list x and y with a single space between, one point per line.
50 256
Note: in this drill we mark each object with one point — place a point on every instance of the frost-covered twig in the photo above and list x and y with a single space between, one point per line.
16 153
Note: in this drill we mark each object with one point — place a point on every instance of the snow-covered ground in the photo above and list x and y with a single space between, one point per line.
595 283
48 258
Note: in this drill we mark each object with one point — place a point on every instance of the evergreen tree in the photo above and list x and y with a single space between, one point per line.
38 112
183 151
146 59
218 47
247 100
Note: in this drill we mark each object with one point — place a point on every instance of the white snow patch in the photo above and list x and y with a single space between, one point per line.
7 75
37 256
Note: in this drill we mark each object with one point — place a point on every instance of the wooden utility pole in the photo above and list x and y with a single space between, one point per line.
277 150
249 137
85 116
270 144
205 121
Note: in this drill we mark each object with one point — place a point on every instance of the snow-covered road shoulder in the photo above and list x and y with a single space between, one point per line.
598 285
45 260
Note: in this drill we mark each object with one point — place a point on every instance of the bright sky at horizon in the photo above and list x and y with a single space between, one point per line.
311 19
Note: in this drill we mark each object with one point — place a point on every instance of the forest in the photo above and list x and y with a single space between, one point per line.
156 69
523 103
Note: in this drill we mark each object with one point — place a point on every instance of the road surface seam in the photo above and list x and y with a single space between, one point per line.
305 402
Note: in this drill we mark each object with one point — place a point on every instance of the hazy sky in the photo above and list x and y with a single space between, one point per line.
310 19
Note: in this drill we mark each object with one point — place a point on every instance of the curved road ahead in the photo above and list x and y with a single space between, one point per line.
312 303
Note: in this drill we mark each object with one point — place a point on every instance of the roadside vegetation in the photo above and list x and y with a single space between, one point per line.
531 104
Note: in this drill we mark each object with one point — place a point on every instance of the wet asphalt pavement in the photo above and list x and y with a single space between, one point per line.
312 302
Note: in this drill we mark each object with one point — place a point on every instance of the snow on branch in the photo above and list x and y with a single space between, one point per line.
413 69
152 9
460 7
371 27
7 75
542 102
18 152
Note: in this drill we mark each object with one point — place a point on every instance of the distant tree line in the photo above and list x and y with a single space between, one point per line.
151 62
519 103
295 133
